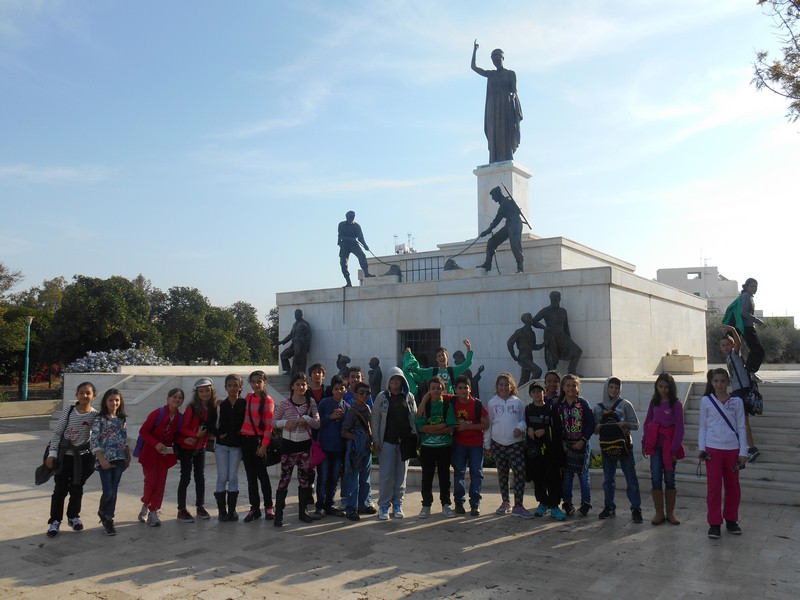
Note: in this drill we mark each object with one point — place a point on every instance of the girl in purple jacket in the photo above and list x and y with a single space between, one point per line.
662 441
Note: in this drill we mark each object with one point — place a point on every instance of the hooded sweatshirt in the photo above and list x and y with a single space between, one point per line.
625 411
380 414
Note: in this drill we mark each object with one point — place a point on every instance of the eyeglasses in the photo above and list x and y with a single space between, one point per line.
362 393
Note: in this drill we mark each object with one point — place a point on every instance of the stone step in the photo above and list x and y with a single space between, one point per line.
782 406
770 453
757 471
778 436
767 421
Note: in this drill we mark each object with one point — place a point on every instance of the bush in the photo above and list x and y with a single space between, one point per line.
107 362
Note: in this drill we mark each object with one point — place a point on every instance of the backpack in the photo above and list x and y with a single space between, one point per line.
615 443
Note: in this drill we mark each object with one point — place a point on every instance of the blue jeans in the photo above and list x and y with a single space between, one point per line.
628 466
109 479
393 471
329 471
462 457
228 459
583 479
355 484
658 473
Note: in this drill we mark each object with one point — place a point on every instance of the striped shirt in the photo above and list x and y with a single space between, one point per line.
75 430
252 419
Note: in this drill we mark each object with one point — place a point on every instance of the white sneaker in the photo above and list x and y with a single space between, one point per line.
143 514
383 513
152 519
76 524
398 512
447 511
425 512
52 531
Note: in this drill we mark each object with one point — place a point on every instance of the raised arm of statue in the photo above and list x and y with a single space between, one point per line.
474 66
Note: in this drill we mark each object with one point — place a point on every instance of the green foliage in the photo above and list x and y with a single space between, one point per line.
272 327
101 314
713 336
253 334
183 323
46 297
8 279
781 341
782 76
778 338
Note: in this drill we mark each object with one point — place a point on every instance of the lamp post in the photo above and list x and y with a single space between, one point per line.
28 321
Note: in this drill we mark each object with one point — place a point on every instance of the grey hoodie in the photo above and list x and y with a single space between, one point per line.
381 408
625 411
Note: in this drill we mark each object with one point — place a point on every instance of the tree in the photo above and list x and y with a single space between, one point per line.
782 76
8 279
272 327
217 340
47 297
101 314
252 333
182 323
713 336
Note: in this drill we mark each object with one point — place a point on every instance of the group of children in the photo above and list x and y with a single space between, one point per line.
329 435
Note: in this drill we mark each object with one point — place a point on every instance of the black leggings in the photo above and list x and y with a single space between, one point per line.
256 470
192 460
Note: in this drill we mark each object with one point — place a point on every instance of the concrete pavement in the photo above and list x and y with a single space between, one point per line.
485 557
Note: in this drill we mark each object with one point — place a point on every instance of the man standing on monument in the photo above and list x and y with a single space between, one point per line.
503 111
558 344
741 315
300 336
350 235
511 231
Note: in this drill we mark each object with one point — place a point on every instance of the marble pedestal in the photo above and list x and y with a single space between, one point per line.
510 174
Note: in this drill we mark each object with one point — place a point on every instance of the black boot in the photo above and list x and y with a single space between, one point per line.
303 494
233 498
223 510
280 504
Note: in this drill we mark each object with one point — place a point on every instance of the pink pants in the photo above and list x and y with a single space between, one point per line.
720 473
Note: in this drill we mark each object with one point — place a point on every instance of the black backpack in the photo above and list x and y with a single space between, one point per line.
615 442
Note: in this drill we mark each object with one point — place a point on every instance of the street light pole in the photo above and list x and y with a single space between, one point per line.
28 321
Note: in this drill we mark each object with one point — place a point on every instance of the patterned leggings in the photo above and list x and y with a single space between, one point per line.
513 457
304 471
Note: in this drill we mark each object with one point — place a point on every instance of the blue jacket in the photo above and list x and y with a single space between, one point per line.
330 430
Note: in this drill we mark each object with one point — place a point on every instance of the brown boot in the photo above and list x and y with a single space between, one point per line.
658 502
671 495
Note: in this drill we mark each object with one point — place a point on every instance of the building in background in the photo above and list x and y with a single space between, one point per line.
704 282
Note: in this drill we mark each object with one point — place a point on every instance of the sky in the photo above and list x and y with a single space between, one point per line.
217 145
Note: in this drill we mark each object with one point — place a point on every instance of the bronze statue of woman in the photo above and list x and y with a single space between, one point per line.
503 111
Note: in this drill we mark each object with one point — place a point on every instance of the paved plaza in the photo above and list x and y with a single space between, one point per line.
490 556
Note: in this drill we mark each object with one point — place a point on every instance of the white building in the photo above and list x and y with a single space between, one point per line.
703 282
